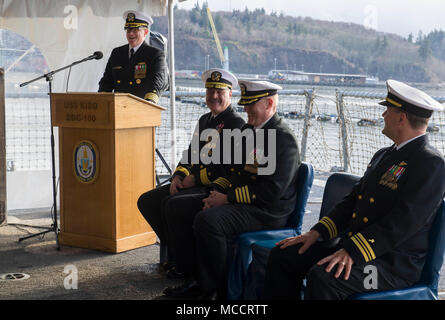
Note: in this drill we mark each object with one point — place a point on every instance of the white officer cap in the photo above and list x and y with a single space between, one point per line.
219 78
252 91
136 19
410 99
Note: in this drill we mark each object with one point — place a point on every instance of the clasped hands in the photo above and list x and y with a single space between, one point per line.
179 183
340 257
213 200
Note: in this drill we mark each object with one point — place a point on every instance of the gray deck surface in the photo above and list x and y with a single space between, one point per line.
101 276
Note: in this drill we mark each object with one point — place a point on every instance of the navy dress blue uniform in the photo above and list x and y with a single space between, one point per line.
144 75
383 222
274 194
203 237
154 203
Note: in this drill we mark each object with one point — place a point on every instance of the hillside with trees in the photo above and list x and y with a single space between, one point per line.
255 39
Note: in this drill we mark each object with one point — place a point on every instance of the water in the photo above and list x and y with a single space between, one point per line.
28 127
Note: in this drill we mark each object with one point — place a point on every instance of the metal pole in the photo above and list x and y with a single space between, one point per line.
2 150
344 137
307 116
53 162
171 47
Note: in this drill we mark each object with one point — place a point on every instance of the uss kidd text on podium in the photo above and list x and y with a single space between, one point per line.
106 161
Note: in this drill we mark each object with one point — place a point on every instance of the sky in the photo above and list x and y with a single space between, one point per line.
401 17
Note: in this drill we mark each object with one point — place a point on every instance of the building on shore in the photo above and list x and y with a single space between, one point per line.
322 78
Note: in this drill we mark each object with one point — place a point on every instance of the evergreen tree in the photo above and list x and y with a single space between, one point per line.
425 50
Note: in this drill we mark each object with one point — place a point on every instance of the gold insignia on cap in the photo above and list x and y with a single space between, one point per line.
131 17
243 88
215 76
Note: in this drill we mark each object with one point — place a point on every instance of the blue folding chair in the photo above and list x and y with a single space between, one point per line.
337 187
426 288
243 256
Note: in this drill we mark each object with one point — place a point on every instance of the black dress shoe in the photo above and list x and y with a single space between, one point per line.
167 266
211 296
173 273
189 289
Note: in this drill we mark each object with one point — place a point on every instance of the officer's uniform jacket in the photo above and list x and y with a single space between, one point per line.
202 171
145 75
386 218
273 194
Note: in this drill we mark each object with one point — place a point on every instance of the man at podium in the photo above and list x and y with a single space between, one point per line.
192 179
136 68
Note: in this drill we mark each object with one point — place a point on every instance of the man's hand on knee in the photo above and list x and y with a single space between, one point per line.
344 261
307 239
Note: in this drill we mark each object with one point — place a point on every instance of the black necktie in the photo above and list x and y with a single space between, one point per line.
131 53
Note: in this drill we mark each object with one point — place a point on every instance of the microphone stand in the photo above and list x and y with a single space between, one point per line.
49 78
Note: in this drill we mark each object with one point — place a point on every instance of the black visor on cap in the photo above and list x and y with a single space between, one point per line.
250 97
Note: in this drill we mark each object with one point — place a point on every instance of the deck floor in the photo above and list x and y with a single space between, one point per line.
101 276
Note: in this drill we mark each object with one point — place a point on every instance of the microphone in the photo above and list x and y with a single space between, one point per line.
96 55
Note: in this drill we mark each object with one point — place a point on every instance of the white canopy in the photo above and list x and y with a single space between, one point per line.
69 30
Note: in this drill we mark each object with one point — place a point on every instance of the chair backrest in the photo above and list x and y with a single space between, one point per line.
338 186
303 184
436 250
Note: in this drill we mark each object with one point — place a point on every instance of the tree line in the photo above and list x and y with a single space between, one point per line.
295 41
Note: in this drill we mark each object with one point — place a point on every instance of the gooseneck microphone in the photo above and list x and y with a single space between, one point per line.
48 76
96 55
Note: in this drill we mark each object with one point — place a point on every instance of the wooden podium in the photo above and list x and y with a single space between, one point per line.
107 160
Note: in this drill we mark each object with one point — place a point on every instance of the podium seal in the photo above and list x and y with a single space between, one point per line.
85 162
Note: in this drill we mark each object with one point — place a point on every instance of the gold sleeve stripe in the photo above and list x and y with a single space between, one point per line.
238 200
247 195
152 96
183 170
327 227
244 195
330 225
223 182
204 178
360 247
334 228
365 245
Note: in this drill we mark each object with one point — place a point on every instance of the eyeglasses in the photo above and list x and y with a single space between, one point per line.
219 91
129 30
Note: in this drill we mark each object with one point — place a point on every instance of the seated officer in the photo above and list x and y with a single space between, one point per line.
250 195
191 178
384 221
136 67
